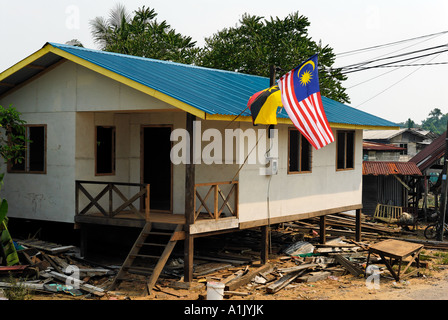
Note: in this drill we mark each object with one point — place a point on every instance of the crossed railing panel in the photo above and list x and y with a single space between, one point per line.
219 202
112 189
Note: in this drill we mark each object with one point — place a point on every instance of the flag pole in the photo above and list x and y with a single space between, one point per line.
272 77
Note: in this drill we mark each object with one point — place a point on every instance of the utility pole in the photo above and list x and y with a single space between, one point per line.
444 190
266 230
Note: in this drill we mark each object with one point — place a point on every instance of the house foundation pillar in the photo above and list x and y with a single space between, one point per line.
189 203
358 225
323 227
265 244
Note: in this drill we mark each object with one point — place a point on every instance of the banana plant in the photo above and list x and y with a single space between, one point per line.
5 238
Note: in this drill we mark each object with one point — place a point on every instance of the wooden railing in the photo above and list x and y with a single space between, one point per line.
213 206
112 190
388 213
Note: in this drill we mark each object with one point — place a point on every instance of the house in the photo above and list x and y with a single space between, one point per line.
412 140
375 151
105 128
389 183
430 163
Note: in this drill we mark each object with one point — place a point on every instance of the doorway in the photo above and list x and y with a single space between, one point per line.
156 167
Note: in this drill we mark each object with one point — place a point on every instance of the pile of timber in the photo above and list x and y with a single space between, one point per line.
50 268
344 224
336 258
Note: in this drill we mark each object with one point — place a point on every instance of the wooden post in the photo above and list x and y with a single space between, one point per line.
358 225
189 203
147 203
323 226
264 253
443 191
83 242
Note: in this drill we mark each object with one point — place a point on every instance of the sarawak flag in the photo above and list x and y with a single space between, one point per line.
301 98
263 105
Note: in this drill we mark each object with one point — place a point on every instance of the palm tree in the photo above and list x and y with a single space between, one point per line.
142 35
113 29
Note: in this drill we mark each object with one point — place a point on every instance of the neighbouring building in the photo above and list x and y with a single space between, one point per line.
411 140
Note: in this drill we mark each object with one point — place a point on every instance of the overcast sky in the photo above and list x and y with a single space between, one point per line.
402 93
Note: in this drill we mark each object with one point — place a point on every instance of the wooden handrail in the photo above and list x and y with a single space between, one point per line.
111 188
216 211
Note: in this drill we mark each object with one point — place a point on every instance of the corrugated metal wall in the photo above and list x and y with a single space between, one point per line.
382 189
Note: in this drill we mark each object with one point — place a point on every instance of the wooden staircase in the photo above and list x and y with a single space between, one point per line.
147 234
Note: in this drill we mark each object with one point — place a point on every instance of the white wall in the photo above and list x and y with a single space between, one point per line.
291 194
54 99
50 100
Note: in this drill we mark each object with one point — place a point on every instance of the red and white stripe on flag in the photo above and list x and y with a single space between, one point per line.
307 115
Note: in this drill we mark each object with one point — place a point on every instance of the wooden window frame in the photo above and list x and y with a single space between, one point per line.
345 132
113 155
27 169
301 137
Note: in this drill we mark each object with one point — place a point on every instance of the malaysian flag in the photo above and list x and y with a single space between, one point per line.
302 101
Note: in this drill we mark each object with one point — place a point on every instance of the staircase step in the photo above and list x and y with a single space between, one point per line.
159 233
134 253
152 244
144 256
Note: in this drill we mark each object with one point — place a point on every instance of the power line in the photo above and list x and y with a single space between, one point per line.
391 63
385 73
389 44
394 84
356 65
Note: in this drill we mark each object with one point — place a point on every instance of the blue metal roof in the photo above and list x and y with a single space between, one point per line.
215 92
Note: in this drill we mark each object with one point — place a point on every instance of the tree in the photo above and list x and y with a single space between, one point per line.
142 35
257 43
75 42
436 121
12 137
12 145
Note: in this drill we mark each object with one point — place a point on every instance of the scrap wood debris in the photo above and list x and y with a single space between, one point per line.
296 256
46 267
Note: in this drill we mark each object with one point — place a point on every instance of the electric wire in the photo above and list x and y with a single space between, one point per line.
389 44
394 84
391 63
358 65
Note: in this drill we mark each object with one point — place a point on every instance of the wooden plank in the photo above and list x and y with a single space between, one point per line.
245 279
354 270
283 281
298 268
215 202
31 286
178 235
77 283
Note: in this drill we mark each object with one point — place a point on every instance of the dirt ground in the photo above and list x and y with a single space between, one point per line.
430 284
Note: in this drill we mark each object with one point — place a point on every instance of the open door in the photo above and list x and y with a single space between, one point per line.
157 167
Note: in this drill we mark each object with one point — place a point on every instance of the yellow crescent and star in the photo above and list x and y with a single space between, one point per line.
307 75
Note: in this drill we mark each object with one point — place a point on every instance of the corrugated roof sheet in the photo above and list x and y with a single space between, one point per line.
369 145
430 154
215 92
378 168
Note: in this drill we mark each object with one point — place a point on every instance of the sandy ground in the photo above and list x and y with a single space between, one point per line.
430 284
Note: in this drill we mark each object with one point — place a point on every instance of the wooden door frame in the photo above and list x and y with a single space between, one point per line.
142 162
